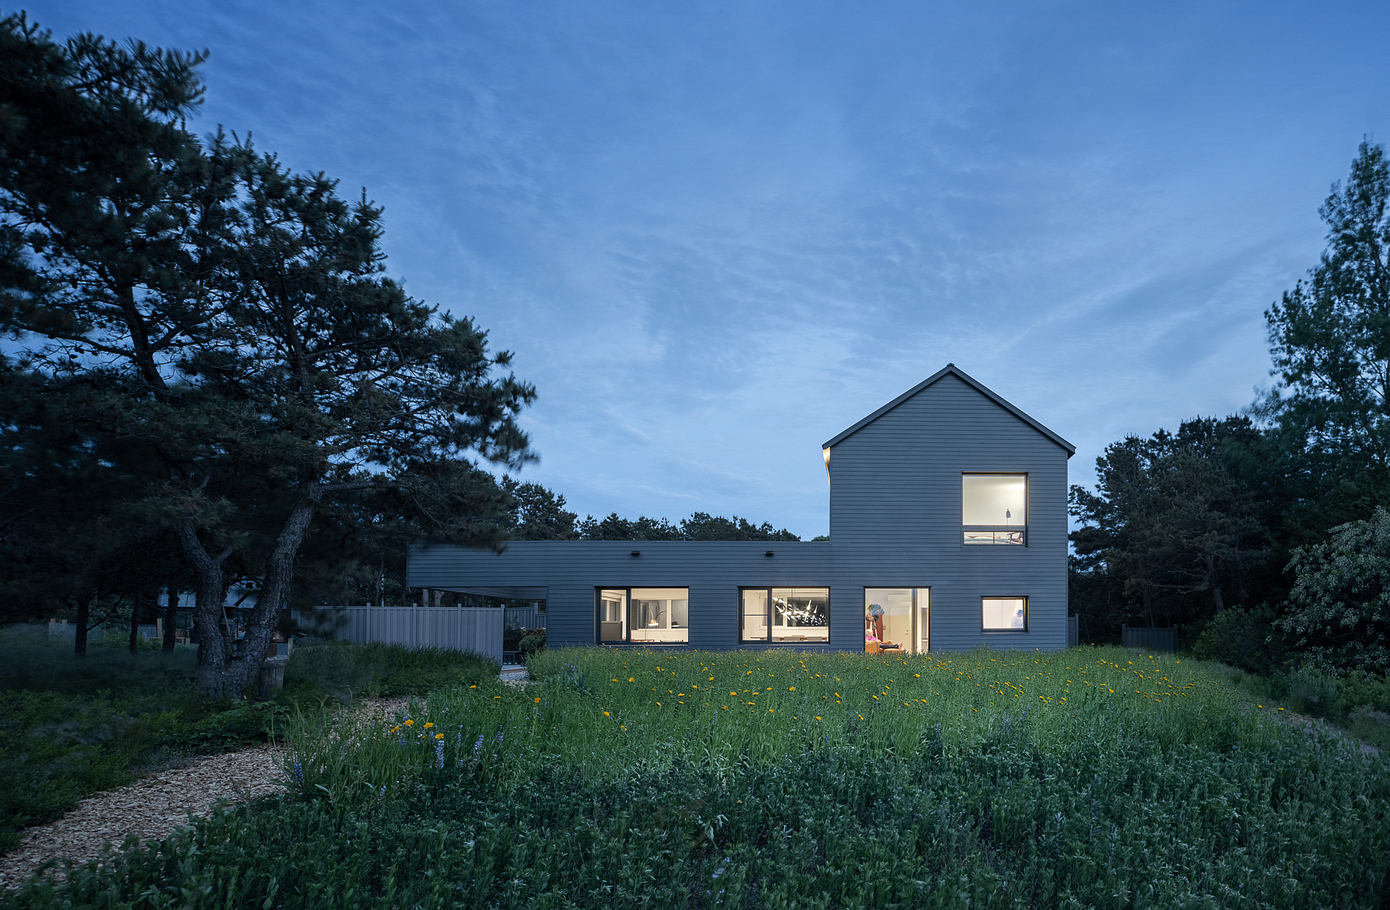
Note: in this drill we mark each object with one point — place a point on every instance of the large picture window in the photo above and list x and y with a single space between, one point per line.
644 615
784 614
994 509
1004 614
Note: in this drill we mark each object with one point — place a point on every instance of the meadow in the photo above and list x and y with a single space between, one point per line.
73 726
1089 778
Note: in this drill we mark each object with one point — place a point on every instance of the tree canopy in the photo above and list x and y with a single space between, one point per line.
1266 515
223 333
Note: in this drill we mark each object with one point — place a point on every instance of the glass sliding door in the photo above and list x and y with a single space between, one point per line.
897 619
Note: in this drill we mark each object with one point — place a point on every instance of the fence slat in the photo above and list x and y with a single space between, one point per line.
1149 639
474 629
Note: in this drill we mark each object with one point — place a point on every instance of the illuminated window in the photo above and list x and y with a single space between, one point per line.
644 615
994 509
1004 614
785 614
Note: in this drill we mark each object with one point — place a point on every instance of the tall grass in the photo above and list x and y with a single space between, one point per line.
71 726
1095 778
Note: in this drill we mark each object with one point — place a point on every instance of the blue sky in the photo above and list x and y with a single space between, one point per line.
715 235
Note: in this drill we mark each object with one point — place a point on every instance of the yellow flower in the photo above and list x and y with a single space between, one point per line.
429 724
791 688
624 727
632 679
474 686
439 736
817 717
537 699
606 714
409 722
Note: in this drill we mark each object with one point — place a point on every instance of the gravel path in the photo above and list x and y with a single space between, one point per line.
150 808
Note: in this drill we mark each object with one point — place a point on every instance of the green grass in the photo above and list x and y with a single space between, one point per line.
71 727
1091 778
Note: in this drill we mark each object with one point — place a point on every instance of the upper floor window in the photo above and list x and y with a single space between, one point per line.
648 615
994 508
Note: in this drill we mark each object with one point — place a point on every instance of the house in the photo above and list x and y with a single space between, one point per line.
948 531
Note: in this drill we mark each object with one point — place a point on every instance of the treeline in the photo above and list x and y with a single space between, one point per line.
536 513
1263 536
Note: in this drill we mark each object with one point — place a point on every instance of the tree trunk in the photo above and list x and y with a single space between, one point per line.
135 604
243 673
171 616
1215 588
84 613
209 591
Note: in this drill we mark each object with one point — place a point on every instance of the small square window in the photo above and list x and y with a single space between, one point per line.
1004 614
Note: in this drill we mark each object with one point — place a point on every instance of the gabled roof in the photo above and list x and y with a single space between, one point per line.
951 370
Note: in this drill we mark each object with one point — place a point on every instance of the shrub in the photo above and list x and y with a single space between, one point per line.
1243 638
344 670
531 644
1338 609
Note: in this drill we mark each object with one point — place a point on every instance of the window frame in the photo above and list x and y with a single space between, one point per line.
768 616
627 640
995 530
988 630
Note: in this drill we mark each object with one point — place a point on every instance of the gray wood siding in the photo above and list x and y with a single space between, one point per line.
572 569
895 513
895 520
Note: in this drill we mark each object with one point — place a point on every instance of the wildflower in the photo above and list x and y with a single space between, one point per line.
537 699
632 679
298 772
429 724
791 688
478 744
439 736
409 723
818 717
606 714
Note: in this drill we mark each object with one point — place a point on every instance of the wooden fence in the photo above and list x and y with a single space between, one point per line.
531 617
1149 639
475 629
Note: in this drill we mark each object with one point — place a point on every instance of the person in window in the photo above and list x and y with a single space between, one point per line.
874 620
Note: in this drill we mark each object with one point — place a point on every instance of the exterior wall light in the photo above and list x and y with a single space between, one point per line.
636 552
767 553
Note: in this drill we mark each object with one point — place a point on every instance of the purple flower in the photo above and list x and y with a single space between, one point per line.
298 772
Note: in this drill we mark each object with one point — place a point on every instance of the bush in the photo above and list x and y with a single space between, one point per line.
345 671
1243 638
1338 610
531 644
